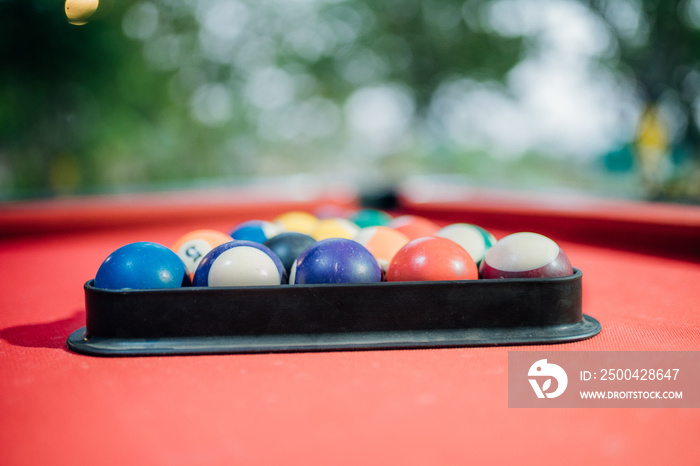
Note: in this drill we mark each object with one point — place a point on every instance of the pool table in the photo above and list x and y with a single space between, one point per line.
641 266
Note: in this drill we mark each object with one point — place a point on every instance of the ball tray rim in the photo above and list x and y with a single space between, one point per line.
332 317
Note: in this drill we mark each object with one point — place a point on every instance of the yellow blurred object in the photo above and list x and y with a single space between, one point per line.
335 228
652 146
651 131
79 12
64 173
301 222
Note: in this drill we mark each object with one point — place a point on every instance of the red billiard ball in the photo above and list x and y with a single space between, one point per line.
431 258
335 260
525 255
414 226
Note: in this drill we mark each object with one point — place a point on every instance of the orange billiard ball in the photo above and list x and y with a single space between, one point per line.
193 246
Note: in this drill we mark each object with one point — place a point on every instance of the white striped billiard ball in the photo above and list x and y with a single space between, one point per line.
240 263
525 255
474 239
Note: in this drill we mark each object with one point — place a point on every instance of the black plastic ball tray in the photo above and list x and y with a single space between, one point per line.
332 317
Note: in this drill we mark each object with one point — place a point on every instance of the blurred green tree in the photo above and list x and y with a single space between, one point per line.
165 91
85 107
658 44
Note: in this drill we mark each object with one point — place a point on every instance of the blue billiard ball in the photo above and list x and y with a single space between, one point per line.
258 231
335 260
288 245
142 265
240 263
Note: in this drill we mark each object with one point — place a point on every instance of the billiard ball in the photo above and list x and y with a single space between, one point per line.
258 231
331 211
142 265
414 226
431 258
240 263
334 228
193 246
525 255
301 222
335 260
473 238
288 245
383 242
364 218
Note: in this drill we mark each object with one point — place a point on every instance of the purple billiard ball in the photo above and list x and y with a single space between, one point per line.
240 263
525 255
142 265
335 260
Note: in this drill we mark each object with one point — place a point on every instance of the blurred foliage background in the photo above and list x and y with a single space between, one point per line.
598 95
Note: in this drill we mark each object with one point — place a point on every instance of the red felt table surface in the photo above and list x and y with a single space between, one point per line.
435 406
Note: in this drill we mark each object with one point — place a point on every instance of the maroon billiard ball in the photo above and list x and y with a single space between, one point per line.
525 255
431 258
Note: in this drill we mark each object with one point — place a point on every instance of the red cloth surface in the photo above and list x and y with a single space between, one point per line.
439 406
